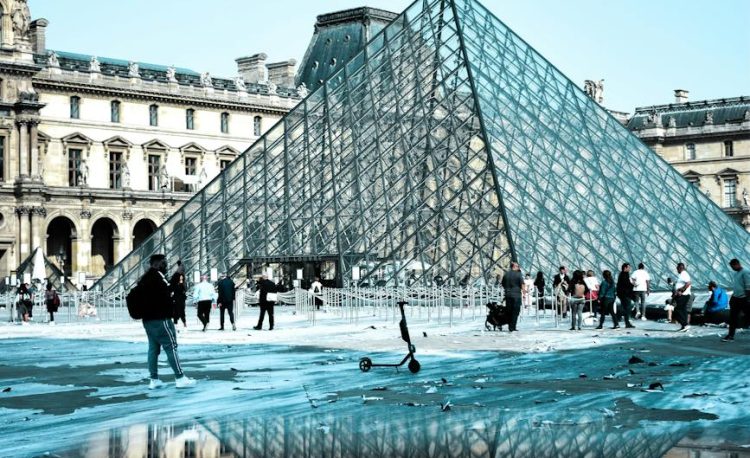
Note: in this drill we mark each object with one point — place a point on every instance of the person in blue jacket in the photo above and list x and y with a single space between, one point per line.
716 309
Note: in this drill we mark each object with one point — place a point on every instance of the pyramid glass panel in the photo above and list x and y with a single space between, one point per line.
446 147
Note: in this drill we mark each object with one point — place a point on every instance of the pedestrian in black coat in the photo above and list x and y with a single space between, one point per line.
227 292
179 295
625 294
265 287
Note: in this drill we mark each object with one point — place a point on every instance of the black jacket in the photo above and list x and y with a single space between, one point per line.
178 289
558 279
512 283
156 295
624 285
265 287
226 291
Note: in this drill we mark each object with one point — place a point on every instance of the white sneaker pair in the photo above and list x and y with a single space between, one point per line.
182 382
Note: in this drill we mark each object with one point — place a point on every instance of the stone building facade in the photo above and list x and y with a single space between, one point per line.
708 141
95 152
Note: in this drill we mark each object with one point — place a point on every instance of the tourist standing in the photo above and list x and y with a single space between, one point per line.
607 292
203 296
528 290
560 284
715 309
52 301
577 291
625 294
25 303
540 284
641 289
512 284
157 321
592 283
316 289
227 294
683 291
740 297
265 288
179 295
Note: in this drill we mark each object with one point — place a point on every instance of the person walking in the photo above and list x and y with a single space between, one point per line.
715 310
641 289
512 284
683 291
607 292
625 294
227 294
52 301
577 292
266 303
157 321
179 296
740 297
203 295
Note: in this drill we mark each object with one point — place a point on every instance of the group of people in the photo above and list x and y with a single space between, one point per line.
625 298
25 302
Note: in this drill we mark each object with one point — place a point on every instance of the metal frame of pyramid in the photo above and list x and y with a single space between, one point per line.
450 143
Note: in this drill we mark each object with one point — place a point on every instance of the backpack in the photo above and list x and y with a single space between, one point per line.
55 300
135 302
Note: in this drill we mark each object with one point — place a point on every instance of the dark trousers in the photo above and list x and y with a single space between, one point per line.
681 309
161 334
204 311
626 306
229 307
267 307
179 312
736 306
719 317
514 306
607 307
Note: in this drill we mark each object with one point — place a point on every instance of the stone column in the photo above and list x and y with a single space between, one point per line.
37 220
34 129
126 235
24 246
7 28
83 243
23 151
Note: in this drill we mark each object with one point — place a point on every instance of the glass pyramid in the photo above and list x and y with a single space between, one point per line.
447 147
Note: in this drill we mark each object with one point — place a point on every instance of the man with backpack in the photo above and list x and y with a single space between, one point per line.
151 301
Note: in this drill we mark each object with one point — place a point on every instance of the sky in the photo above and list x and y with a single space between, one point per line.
643 49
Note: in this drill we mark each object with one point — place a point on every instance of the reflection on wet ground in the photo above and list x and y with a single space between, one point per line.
434 433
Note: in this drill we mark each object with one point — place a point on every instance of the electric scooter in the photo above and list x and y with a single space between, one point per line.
365 364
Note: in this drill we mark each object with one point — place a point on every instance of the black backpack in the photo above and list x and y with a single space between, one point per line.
134 299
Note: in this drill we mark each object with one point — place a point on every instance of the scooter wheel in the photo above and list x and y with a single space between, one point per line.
414 366
365 364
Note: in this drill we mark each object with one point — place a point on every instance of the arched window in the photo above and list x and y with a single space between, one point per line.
115 110
153 115
690 151
190 119
257 121
75 107
225 123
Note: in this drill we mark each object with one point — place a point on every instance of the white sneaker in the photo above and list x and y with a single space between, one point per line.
51 323
155 383
643 318
184 382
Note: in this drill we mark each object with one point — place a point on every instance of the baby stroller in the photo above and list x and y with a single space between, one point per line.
497 317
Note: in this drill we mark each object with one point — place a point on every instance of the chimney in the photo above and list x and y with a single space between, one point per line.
252 69
38 29
282 73
681 96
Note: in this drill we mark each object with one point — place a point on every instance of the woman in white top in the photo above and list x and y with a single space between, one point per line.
592 283
527 290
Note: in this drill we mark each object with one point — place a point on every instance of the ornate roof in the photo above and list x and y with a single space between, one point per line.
689 114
